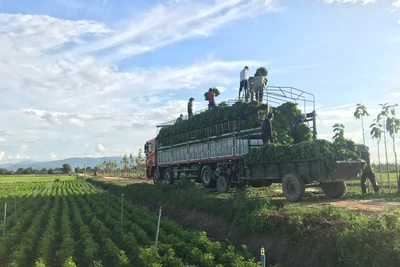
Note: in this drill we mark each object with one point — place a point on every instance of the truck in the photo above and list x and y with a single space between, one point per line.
217 159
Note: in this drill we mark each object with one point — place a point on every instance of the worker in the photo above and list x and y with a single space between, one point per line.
243 80
266 129
293 132
179 119
211 99
260 82
190 108
250 91
367 171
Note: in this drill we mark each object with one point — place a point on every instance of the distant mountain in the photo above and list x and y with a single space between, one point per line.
74 162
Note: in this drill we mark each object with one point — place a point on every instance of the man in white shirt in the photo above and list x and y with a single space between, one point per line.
243 80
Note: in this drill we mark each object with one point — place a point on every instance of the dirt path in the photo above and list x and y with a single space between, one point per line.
127 180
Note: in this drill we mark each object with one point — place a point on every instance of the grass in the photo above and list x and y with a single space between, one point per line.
33 178
335 237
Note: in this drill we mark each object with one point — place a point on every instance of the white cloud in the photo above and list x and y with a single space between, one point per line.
2 139
172 22
10 157
397 4
395 94
350 1
100 148
1 155
52 156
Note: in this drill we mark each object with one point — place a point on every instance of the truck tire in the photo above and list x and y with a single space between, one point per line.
293 187
168 176
334 190
207 176
156 177
223 184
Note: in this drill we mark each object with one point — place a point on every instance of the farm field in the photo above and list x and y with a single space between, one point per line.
33 178
69 222
313 232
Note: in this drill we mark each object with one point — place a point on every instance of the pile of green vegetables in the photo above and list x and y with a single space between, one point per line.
245 115
328 152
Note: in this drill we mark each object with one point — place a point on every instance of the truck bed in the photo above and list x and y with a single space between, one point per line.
310 170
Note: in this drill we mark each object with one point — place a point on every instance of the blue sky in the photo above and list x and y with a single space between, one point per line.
96 76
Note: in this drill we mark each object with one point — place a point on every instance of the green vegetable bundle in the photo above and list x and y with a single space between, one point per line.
328 152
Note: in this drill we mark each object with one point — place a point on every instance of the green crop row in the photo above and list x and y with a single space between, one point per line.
73 223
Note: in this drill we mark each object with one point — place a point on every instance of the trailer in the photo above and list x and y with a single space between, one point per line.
217 160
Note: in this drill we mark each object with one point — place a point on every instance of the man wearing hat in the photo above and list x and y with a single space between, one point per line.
190 107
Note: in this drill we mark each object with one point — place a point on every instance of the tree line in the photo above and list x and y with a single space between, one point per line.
128 166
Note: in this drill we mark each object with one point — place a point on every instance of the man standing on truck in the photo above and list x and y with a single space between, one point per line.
211 99
293 132
266 129
367 171
259 84
190 108
243 80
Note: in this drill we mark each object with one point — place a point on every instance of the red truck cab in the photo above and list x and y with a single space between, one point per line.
151 157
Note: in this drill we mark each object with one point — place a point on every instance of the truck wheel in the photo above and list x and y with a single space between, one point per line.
206 176
223 184
334 190
168 176
293 187
156 177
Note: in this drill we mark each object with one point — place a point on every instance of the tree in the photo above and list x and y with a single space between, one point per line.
338 129
360 112
78 170
3 171
382 117
393 126
376 133
140 163
44 170
50 171
27 171
66 168
131 161
125 163
20 170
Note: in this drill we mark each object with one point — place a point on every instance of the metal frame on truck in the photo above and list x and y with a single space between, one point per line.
218 160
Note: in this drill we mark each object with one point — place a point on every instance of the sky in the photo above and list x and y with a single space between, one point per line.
95 77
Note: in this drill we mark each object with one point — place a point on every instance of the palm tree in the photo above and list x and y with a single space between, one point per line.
393 126
131 161
338 129
376 133
360 112
125 162
382 117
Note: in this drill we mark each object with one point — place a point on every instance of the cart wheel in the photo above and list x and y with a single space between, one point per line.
223 184
334 190
168 176
156 177
207 176
293 187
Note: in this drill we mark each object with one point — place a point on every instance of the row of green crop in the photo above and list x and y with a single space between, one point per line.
320 236
73 223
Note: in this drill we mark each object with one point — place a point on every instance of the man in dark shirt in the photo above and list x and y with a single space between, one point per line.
293 132
190 108
266 129
367 171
